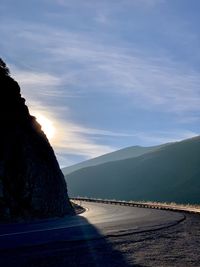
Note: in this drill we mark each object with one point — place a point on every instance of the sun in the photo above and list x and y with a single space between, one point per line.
47 126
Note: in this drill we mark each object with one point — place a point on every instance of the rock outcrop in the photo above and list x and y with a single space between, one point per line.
31 182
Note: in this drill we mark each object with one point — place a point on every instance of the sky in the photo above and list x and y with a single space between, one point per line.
106 74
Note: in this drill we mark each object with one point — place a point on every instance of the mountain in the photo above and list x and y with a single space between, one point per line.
125 153
170 173
31 182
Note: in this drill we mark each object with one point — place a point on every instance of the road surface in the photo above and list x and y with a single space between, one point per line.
99 221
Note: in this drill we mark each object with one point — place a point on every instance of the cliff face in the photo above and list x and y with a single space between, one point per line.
31 182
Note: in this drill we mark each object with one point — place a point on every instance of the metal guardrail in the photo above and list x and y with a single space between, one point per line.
160 206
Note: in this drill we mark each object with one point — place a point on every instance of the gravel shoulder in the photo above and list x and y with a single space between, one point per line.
174 246
178 246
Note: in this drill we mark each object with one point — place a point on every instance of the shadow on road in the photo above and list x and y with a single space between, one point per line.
81 245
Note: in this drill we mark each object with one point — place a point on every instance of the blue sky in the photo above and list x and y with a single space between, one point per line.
108 74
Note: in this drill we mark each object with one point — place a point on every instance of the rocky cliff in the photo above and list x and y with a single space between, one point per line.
31 182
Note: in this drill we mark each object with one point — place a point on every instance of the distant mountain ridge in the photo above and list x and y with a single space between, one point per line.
169 173
124 153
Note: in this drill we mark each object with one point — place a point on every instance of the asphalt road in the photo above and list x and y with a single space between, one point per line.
98 221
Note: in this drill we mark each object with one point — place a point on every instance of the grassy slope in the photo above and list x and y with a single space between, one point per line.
121 154
171 173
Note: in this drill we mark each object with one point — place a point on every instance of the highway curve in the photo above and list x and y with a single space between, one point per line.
99 220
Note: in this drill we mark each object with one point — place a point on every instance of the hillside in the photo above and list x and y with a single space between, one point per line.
170 173
125 153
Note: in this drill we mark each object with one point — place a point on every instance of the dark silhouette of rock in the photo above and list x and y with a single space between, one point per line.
31 182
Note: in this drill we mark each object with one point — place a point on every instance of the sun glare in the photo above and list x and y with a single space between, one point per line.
47 126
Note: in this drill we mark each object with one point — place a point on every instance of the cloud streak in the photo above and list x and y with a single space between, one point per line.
148 82
155 82
73 61
74 139
77 140
104 4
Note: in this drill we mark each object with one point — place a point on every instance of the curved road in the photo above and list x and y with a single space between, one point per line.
98 221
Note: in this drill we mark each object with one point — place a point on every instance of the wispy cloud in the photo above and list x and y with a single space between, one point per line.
103 11
111 4
34 79
72 138
70 62
42 86
69 137
75 139
153 82
149 82
163 137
